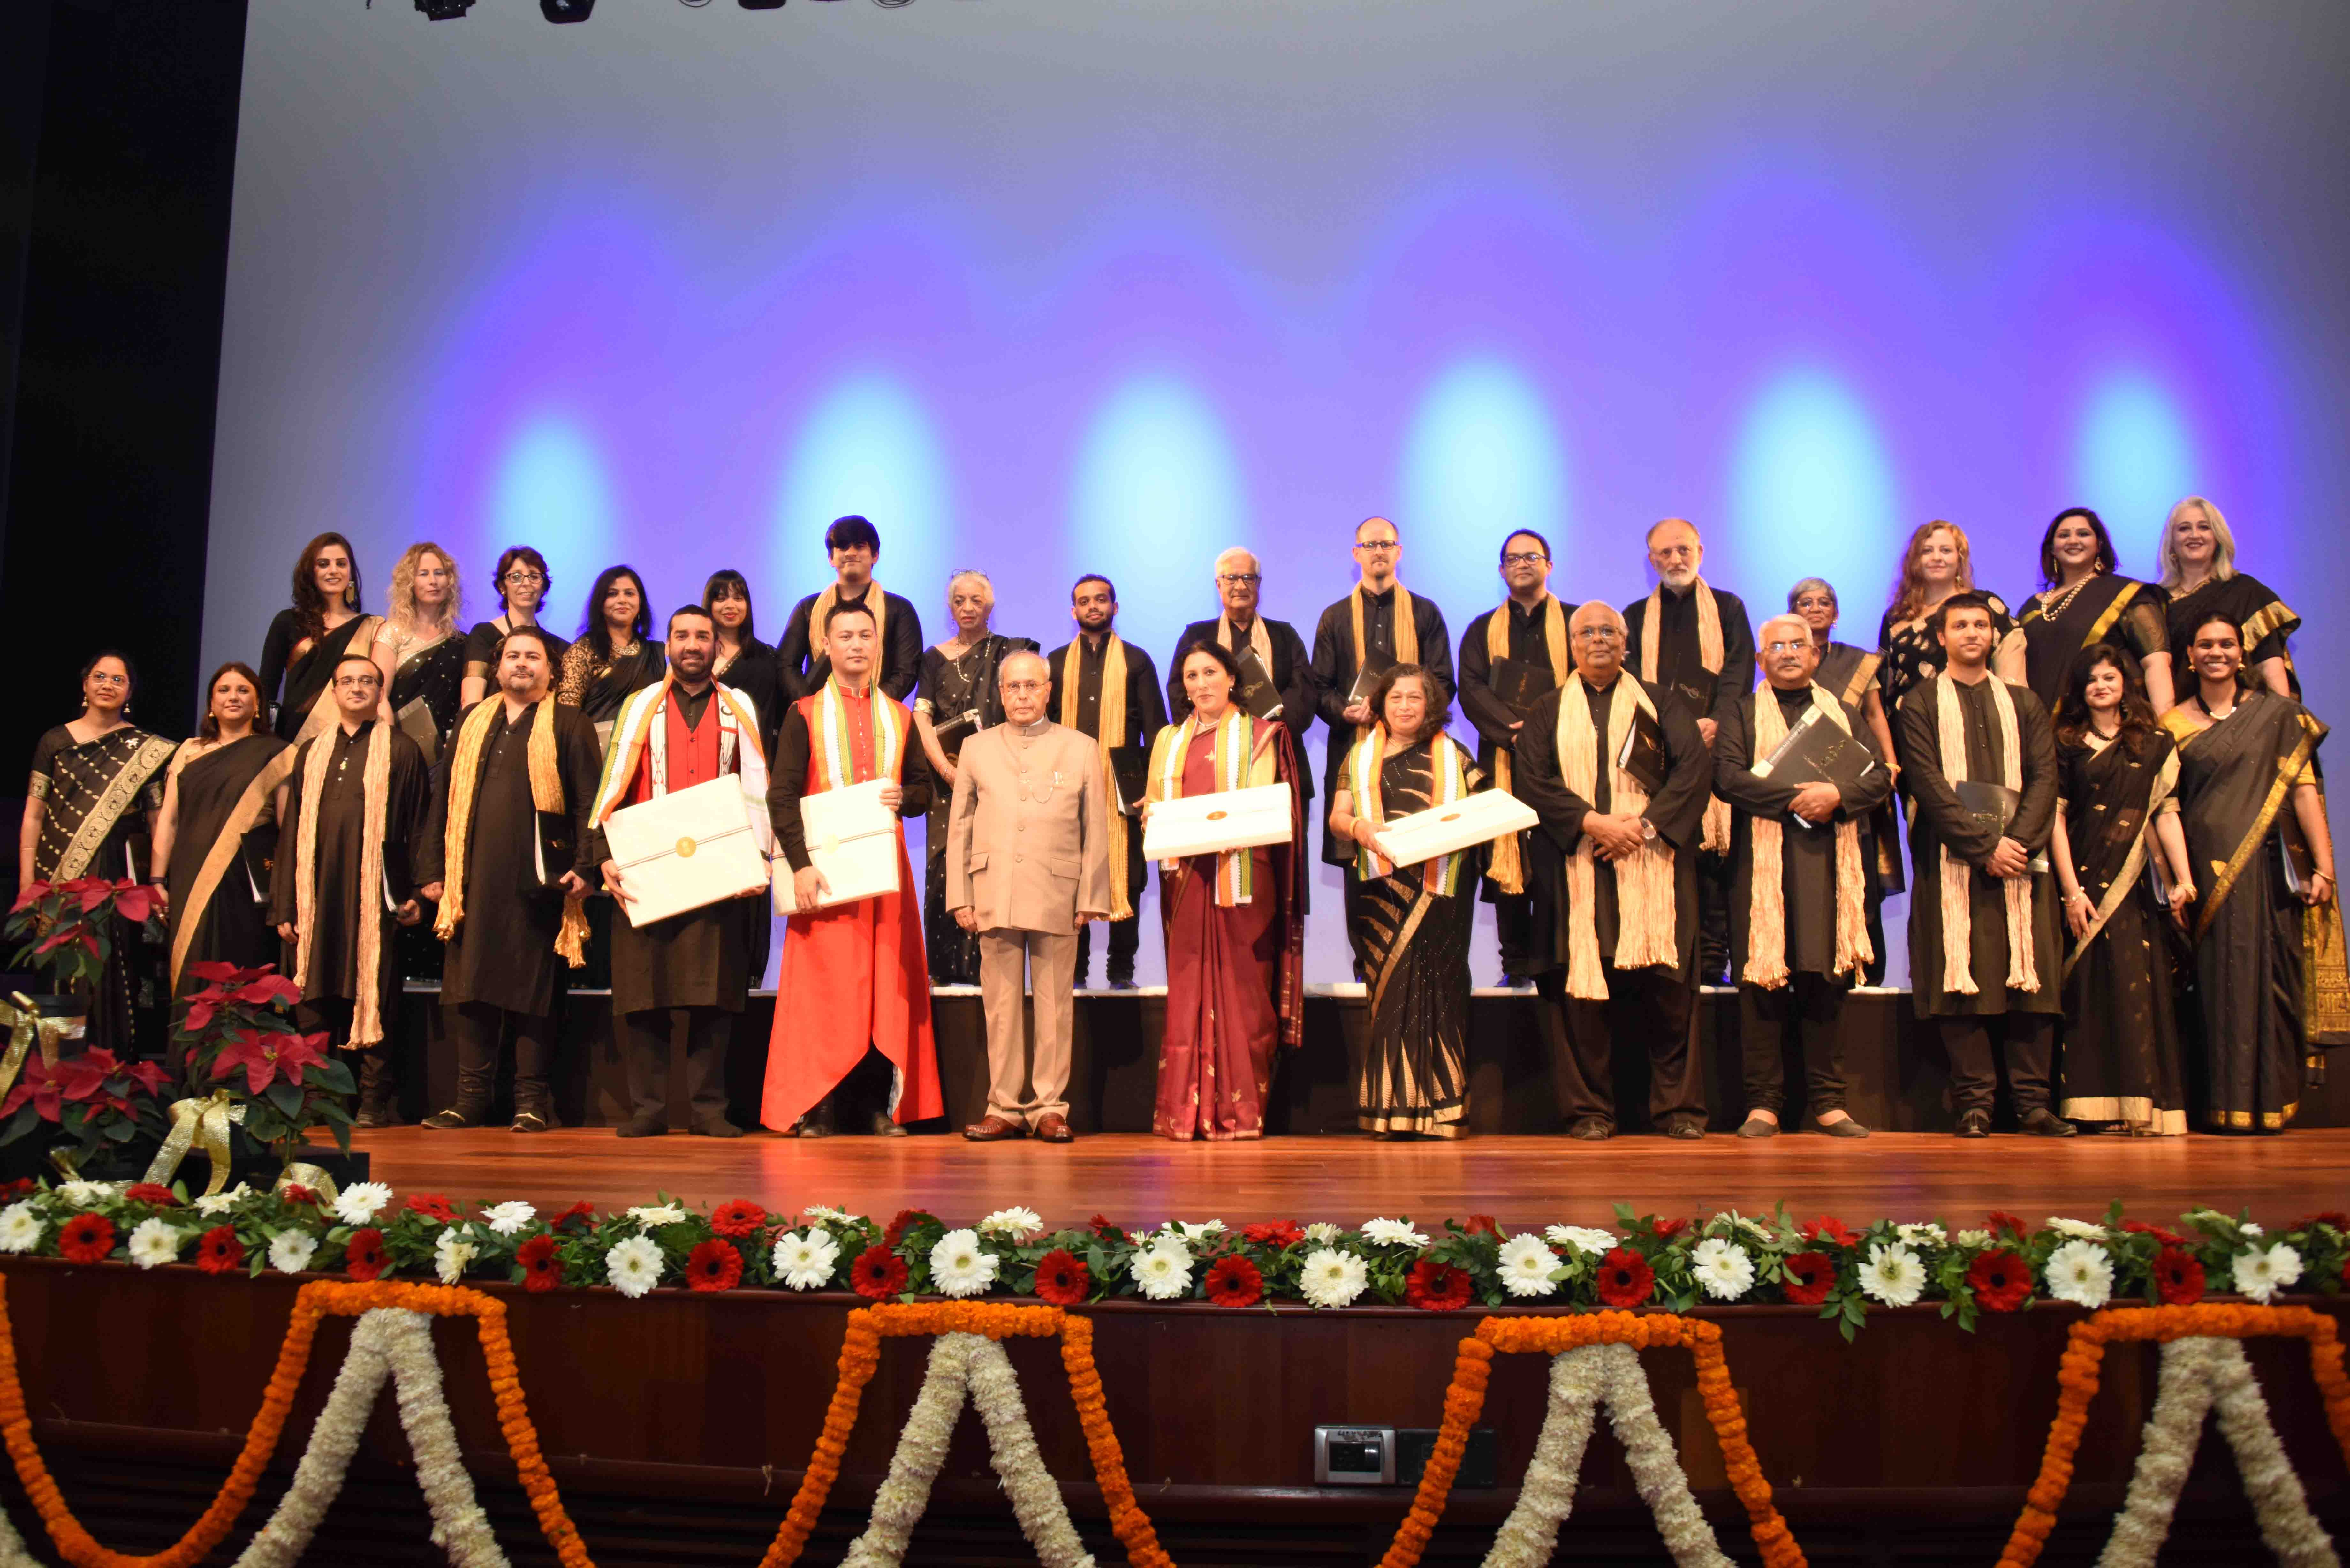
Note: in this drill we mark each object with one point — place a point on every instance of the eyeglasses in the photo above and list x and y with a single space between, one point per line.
521 575
1600 634
1023 686
1240 576
1780 646
1523 557
1377 545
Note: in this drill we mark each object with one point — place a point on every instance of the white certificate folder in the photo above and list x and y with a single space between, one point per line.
852 838
1210 824
1460 825
686 850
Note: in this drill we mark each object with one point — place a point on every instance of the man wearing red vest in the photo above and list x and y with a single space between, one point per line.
853 988
691 971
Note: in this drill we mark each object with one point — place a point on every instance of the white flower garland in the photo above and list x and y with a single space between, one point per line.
976 1366
2198 1372
1580 1381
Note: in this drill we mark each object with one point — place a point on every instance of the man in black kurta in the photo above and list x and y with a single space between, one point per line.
1808 815
1093 604
1990 858
1533 621
331 986
1239 582
854 546
520 866
1655 1004
1677 557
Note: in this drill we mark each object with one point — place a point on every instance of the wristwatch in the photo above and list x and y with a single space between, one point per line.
1647 831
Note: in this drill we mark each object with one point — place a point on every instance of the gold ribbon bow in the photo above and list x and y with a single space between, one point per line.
203 1124
26 1024
302 1173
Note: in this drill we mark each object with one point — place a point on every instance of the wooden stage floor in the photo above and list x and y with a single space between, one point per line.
1136 1179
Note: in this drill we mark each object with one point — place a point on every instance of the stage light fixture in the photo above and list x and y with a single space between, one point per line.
443 10
561 11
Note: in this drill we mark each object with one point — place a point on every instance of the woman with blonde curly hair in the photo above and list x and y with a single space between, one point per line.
2197 557
1936 563
418 649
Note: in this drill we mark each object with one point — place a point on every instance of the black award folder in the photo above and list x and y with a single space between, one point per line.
1257 693
1643 756
1519 682
1366 680
1992 805
1818 751
1131 765
954 729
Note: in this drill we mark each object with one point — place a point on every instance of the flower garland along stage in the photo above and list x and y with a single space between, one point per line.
1594 1363
365 1232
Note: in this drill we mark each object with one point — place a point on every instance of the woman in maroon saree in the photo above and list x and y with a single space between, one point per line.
1234 923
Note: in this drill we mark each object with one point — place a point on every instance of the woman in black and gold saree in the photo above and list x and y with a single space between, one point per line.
307 639
2116 828
2246 780
616 653
2089 601
1410 930
89 811
420 652
216 838
2200 577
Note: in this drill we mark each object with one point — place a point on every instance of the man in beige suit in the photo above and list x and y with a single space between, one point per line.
1027 865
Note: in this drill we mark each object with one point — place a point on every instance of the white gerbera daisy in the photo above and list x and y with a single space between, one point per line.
221 1202
86 1194
1162 1273
1017 1223
506 1219
652 1216
959 1266
153 1243
1332 1278
805 1260
1392 1233
1722 1268
2081 1272
1323 1232
1925 1231
1974 1239
20 1228
2249 1229
1527 1266
1587 1239
361 1201
634 1266
825 1214
2260 1274
1892 1276
2079 1230
289 1251
1200 1231
452 1253
1754 1228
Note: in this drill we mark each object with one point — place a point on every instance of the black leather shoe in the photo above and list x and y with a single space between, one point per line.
641 1126
884 1124
717 1126
376 1117
1685 1128
1755 1127
1591 1129
2041 1122
529 1122
450 1120
1974 1124
1845 1129
1122 983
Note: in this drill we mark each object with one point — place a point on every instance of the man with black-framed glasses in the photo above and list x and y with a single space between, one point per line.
1280 653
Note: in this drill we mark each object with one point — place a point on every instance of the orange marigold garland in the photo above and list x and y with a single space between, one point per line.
2078 1375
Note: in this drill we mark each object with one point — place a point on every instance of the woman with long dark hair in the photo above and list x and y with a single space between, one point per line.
522 581
2084 601
2116 837
216 837
743 663
616 652
2249 802
306 641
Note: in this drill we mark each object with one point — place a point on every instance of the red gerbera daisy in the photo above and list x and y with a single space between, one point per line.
2163 1234
2000 1280
148 1192
581 1210
2177 1277
431 1204
18 1188
363 1254
905 1219
295 1193
1432 1286
713 1265
2000 1219
1061 1279
1274 1232
738 1219
1234 1282
1807 1277
1669 1228
1482 1225
86 1239
541 1269
878 1275
219 1251
1625 1278
1828 1228
2332 1217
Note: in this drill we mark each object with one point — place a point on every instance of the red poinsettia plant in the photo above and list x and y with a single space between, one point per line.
67 927
91 1100
239 1037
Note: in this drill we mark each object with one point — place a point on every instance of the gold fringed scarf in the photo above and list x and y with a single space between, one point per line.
1958 917
1508 869
1643 884
1715 839
1259 641
375 785
1113 734
1766 917
1401 622
875 600
545 795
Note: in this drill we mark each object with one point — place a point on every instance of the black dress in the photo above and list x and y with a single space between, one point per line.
305 666
230 923
482 650
1913 654
2058 624
2269 624
757 672
96 796
950 688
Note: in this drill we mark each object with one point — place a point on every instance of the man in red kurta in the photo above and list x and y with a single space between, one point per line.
853 986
